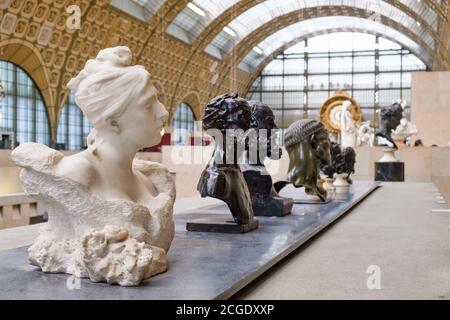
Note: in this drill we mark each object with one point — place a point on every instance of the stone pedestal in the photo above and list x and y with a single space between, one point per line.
328 184
265 201
389 168
341 183
390 171
220 225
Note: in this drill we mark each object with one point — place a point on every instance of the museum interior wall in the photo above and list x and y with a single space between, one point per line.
431 114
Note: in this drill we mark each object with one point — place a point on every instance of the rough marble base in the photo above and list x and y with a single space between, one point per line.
220 224
390 171
201 265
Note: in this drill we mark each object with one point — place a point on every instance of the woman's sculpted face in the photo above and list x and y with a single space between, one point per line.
119 100
143 121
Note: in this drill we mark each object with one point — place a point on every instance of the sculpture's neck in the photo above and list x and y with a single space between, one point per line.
115 155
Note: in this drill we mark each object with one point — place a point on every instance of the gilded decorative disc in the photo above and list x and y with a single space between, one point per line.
330 112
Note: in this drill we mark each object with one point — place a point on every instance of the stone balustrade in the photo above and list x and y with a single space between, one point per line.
19 210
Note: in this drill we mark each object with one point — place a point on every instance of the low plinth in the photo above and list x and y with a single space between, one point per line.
221 225
202 265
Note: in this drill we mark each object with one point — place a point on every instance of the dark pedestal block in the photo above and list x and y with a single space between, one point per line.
265 201
390 171
271 206
220 225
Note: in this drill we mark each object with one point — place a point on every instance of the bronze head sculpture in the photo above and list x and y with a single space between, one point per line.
222 177
390 119
265 200
308 146
342 161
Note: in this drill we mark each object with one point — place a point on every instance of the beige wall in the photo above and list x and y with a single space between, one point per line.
422 164
430 106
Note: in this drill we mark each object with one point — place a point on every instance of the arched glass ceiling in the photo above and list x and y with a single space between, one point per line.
141 9
311 27
189 24
192 20
264 12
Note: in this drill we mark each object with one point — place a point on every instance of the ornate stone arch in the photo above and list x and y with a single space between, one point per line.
26 56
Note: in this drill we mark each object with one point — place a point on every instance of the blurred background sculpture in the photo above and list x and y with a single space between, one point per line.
307 144
404 131
366 135
265 200
349 128
110 216
230 116
342 162
390 120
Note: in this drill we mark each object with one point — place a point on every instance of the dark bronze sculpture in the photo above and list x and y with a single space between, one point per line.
308 146
390 119
222 177
342 161
265 200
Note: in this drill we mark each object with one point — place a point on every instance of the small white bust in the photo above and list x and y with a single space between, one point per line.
366 134
110 216
348 126
404 130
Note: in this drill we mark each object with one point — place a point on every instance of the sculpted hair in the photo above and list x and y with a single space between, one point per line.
220 107
108 84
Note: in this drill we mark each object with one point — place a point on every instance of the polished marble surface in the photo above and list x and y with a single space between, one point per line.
390 171
201 265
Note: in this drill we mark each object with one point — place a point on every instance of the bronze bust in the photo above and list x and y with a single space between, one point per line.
390 119
342 161
222 178
265 200
308 146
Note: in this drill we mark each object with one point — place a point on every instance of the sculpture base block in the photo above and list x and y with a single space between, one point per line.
220 225
273 207
390 171
306 201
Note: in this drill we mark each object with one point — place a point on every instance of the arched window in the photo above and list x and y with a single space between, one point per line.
183 124
73 126
23 114
375 71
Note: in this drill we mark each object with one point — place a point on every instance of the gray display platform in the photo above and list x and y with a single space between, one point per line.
201 265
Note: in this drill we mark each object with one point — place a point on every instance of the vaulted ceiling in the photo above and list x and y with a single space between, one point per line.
196 49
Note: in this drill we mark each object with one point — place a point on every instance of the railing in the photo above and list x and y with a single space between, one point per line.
19 210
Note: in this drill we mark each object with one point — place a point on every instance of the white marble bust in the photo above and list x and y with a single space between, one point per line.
349 129
404 130
110 216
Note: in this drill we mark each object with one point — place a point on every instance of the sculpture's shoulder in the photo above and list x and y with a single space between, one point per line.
43 159
76 168
157 173
36 156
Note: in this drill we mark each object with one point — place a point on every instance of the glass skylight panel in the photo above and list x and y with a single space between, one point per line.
424 11
268 10
189 22
197 15
310 27
151 6
140 9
